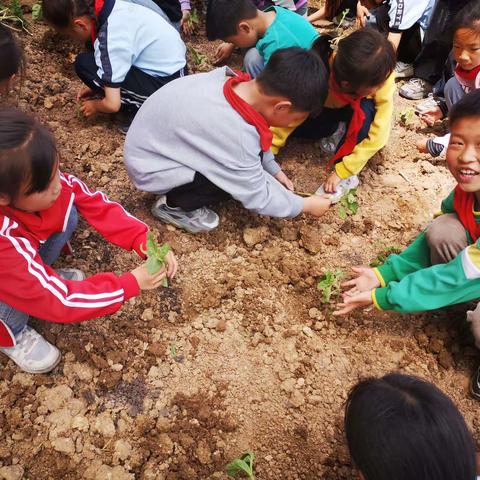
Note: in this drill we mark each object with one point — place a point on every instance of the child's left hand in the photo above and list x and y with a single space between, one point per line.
89 108
352 302
284 180
331 183
186 25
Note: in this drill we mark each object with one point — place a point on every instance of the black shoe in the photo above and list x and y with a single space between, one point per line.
475 384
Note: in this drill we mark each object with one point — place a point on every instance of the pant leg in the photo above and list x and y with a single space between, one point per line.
324 124
52 248
253 62
87 69
453 92
410 44
446 238
199 193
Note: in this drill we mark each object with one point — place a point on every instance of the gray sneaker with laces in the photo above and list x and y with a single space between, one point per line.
71 274
199 220
32 353
403 70
415 89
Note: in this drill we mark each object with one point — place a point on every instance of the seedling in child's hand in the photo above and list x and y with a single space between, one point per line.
348 205
243 464
155 255
331 285
384 254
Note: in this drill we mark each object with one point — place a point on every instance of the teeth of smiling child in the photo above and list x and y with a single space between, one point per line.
468 172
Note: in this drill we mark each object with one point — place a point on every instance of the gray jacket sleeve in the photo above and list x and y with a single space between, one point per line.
269 163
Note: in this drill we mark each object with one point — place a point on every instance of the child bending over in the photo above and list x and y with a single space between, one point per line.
241 24
399 427
39 209
442 266
355 123
11 61
136 51
205 138
466 51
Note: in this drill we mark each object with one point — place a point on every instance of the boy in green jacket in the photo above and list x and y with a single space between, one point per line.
442 266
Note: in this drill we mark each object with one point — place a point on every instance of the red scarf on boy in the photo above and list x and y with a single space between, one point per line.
467 78
463 206
356 122
247 112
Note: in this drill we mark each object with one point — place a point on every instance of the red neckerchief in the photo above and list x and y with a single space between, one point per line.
469 75
97 8
356 122
247 112
463 206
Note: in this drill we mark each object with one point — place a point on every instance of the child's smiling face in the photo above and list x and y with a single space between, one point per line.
466 48
463 154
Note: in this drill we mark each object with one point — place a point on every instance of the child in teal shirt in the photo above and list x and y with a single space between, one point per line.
242 25
442 266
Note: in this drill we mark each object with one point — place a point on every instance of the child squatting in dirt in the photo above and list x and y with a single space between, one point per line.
442 266
39 208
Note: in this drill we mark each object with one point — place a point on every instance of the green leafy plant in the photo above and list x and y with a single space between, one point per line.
243 464
193 20
330 285
12 14
198 58
348 205
173 351
156 255
407 117
37 12
384 254
341 17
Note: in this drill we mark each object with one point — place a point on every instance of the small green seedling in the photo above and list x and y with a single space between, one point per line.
156 255
407 117
173 351
198 58
12 14
384 254
341 17
330 285
348 205
37 13
243 464
193 20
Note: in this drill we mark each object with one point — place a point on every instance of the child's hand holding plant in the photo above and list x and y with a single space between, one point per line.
331 183
159 257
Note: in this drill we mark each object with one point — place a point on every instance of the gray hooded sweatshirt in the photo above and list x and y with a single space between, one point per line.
189 126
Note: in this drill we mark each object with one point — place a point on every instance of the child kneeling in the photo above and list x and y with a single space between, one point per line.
205 138
442 266
39 209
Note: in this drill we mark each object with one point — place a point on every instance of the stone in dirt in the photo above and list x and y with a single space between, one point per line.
203 453
55 397
104 472
104 425
253 236
64 445
11 472
123 450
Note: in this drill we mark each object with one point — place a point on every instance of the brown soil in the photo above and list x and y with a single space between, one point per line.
239 353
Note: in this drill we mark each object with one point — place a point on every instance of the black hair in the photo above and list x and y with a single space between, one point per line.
364 59
28 154
298 75
468 17
223 17
60 13
12 61
400 427
467 107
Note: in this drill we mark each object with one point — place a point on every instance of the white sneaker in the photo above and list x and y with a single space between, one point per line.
415 89
343 188
71 274
403 70
32 353
427 104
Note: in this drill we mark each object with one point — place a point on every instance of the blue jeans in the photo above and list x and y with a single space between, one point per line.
49 251
253 62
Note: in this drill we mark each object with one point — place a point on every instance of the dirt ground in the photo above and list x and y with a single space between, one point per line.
239 353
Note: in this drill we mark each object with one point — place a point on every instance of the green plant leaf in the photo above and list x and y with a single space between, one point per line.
155 255
330 285
242 464
37 12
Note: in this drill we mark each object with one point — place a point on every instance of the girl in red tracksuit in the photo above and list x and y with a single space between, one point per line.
38 214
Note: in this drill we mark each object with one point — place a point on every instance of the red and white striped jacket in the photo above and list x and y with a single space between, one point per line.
30 286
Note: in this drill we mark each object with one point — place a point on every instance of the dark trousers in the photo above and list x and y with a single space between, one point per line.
327 122
437 44
134 90
196 194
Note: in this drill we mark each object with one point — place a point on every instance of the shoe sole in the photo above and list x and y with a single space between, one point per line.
43 370
171 221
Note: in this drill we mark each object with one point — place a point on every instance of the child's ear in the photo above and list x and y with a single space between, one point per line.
82 23
4 200
284 106
244 27
345 86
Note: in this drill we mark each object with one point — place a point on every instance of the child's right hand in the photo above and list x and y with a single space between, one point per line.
84 93
317 205
362 14
149 282
431 115
365 280
223 53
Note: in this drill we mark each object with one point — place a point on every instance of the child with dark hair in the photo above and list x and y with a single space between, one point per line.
241 24
205 138
39 209
399 427
355 123
11 60
300 7
442 266
466 52
136 51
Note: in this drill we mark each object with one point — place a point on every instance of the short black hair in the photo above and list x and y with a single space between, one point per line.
468 17
296 74
60 13
400 427
467 107
12 59
364 59
28 154
223 17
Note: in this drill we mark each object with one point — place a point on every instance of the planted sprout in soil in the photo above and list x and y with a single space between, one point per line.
348 205
330 285
243 464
